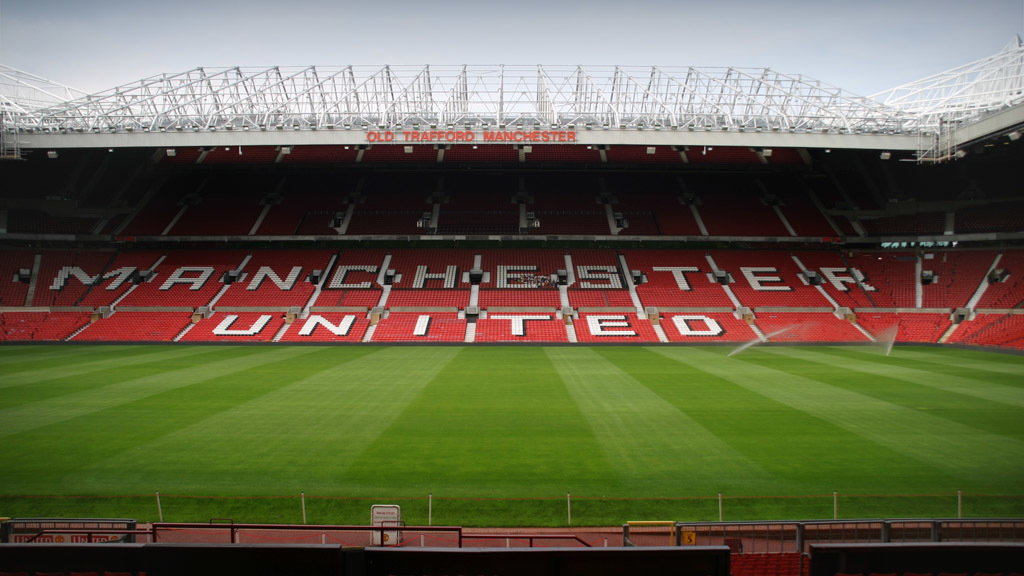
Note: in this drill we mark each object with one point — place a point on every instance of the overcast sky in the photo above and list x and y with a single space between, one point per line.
863 46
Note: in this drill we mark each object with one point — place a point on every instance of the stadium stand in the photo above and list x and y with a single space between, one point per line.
997 330
274 279
767 279
504 327
149 326
40 326
411 327
705 327
58 269
185 278
808 327
591 327
327 327
235 326
911 327
15 277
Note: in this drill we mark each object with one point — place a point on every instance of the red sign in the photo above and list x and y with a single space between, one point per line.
531 136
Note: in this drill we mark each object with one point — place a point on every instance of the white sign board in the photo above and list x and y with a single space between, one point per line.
386 515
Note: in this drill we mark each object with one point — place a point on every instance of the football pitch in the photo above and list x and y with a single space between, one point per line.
509 435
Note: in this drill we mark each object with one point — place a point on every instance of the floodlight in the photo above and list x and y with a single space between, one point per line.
1014 136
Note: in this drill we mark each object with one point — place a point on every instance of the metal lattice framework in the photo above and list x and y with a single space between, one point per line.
523 96
963 93
501 97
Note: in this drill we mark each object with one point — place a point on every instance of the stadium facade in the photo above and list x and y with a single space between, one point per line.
284 203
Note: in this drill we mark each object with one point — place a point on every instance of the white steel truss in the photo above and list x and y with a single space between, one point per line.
467 97
963 93
517 97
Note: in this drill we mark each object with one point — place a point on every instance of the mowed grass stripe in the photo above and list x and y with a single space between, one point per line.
800 453
947 384
172 372
1005 387
974 456
99 360
933 393
984 361
989 371
116 372
651 442
13 357
302 435
495 422
55 458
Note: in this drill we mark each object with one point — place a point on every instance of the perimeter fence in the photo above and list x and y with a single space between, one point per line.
796 537
568 510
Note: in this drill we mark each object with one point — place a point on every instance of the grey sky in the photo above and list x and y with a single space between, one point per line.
863 46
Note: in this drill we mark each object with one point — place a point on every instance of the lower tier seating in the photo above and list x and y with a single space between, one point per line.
40 326
521 328
136 326
410 327
245 326
808 327
706 328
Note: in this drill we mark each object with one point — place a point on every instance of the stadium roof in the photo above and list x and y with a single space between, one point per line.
602 104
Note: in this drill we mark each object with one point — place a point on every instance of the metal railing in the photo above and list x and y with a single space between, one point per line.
790 537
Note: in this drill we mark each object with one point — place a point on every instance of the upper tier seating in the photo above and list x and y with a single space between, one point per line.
393 204
480 204
306 204
732 207
643 154
472 153
228 205
567 204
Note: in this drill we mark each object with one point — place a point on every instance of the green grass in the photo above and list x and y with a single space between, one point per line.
500 435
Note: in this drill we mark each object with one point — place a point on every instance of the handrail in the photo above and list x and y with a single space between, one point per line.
529 537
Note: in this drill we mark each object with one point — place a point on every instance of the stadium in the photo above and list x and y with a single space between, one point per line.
686 320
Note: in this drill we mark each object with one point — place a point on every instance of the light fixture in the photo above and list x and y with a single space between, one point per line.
885 155
1014 136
